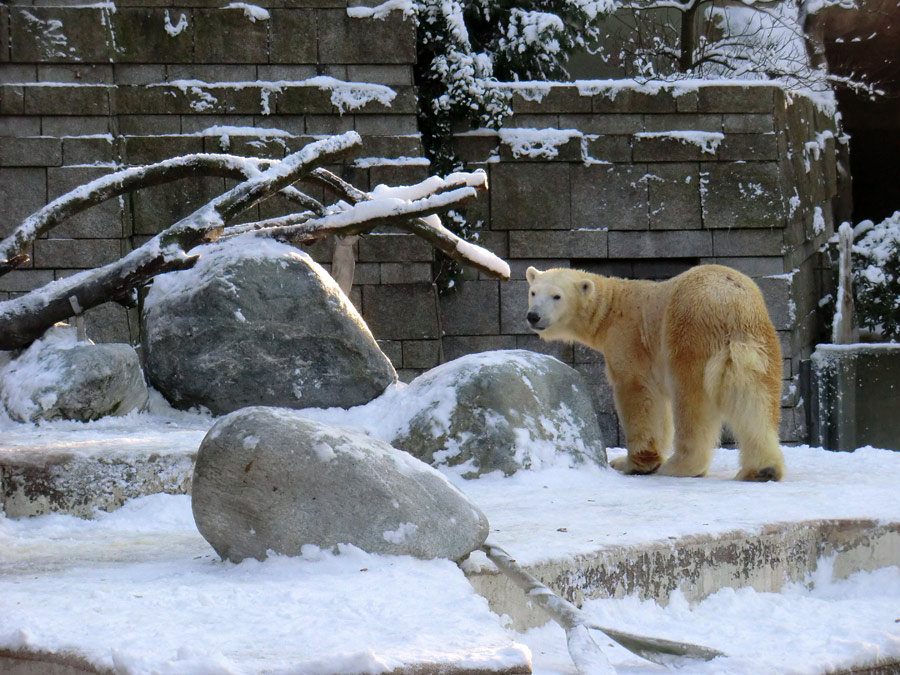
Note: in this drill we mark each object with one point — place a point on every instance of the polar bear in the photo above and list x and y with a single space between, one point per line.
698 349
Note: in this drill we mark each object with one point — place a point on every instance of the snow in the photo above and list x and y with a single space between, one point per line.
707 141
253 12
145 567
536 143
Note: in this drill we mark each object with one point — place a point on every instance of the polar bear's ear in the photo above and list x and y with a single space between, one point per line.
531 274
586 286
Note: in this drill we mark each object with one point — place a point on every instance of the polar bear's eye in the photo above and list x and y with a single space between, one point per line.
532 294
557 297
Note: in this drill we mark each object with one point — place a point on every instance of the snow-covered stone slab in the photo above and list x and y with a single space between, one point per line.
77 469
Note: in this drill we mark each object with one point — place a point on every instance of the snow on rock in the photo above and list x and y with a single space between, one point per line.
258 322
60 377
345 96
707 141
536 143
302 482
253 12
383 10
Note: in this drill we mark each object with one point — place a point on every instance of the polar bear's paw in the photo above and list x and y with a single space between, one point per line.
630 468
760 475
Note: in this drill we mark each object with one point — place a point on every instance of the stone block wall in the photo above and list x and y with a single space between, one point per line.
636 181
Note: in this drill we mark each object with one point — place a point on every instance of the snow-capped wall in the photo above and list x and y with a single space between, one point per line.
618 177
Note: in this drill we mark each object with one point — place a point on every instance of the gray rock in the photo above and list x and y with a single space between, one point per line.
503 410
257 322
269 479
58 377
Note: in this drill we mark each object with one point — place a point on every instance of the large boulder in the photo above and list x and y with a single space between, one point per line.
58 377
257 322
269 479
502 410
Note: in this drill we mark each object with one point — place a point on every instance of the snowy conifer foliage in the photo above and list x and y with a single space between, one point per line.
465 46
876 276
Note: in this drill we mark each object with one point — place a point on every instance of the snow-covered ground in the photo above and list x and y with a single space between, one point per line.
65 583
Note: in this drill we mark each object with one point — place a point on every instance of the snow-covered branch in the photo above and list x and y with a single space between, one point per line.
24 319
128 180
410 208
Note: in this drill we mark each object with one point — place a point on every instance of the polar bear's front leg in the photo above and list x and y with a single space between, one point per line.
647 420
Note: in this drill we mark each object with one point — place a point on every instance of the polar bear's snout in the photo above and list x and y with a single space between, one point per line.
534 321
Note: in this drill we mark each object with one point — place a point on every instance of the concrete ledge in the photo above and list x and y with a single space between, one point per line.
24 662
700 566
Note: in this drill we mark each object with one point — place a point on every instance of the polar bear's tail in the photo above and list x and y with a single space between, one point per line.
734 366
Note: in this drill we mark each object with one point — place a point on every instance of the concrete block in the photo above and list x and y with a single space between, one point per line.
76 73
212 73
191 124
148 125
89 150
343 39
59 34
149 149
778 294
393 146
513 307
24 280
19 125
737 99
530 196
75 125
30 151
15 73
751 266
12 100
394 248
76 253
457 346
612 125
662 148
214 37
401 312
390 75
743 194
323 125
660 244
154 35
556 349
674 194
421 354
476 147
22 192
86 99
385 125
155 208
749 147
471 308
517 267
558 243
4 34
609 148
292 36
750 123
559 99
139 73
687 101
754 243
614 196
621 100
393 349
406 273
286 72
682 121
102 221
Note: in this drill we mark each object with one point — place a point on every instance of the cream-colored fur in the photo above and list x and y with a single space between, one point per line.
682 356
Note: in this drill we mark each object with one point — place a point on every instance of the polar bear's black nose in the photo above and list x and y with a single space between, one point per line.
533 317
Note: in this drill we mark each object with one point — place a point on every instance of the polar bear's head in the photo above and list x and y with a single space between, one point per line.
555 300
